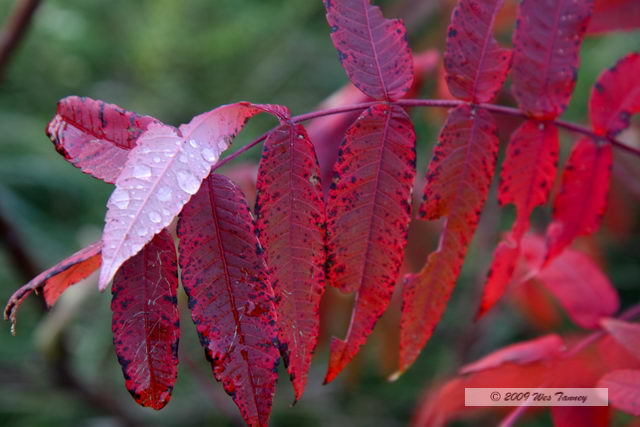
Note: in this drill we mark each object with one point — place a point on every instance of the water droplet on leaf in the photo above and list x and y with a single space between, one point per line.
121 198
188 182
141 171
164 194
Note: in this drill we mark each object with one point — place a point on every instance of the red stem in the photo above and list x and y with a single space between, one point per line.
438 103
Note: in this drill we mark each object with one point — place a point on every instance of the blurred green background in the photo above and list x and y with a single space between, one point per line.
174 59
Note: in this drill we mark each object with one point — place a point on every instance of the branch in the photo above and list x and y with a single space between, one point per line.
437 103
15 29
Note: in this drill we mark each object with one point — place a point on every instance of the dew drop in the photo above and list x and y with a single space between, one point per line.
209 155
156 159
183 158
188 182
121 198
165 212
193 143
141 171
164 194
155 217
142 232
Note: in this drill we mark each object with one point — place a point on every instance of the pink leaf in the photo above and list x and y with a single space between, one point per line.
522 353
55 280
161 174
476 65
580 205
368 217
546 45
373 50
94 136
528 172
616 96
626 333
230 297
581 287
290 222
457 185
146 321
624 390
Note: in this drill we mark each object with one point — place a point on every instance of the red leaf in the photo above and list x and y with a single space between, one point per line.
546 45
616 96
146 322
373 50
290 222
162 172
522 353
528 171
231 300
458 181
583 416
368 216
94 136
582 200
627 334
613 15
581 287
476 65
55 280
624 390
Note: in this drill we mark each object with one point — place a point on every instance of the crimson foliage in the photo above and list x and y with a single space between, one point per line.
255 286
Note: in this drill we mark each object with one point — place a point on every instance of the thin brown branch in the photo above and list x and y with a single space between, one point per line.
15 29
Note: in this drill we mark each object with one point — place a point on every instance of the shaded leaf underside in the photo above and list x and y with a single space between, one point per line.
230 297
368 216
290 222
146 322
458 181
373 50
546 45
476 65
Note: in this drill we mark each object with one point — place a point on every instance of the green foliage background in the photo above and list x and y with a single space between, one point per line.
174 59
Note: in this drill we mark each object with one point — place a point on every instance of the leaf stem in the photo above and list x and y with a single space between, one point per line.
436 103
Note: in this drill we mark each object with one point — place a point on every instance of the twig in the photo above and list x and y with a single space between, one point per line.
15 30
437 103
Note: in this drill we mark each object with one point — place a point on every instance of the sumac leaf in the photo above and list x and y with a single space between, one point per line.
616 96
458 181
291 223
614 15
230 297
476 65
546 46
162 172
373 50
94 136
580 205
627 334
584 416
528 172
522 353
368 215
624 390
146 322
55 280
581 287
